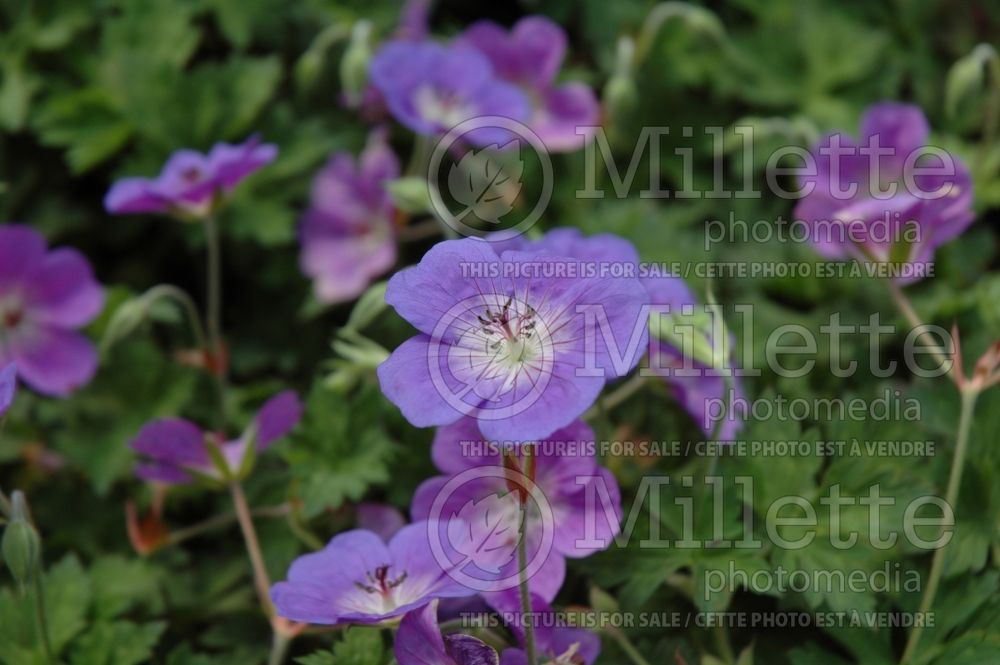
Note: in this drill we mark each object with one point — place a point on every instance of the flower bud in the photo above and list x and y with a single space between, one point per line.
21 545
354 64
410 195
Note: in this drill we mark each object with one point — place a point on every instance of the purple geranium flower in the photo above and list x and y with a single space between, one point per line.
176 451
566 473
348 234
530 55
556 644
866 223
190 183
358 578
8 386
419 642
44 296
431 88
522 342
697 387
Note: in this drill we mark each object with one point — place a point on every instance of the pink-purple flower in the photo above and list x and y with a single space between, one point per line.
419 642
431 88
521 342
176 451
530 55
358 578
8 386
861 204
583 499
191 183
348 234
45 295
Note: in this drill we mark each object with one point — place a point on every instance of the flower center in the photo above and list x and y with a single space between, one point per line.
508 333
442 108
191 175
379 582
11 317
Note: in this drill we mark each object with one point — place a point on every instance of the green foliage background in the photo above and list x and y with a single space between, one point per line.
92 90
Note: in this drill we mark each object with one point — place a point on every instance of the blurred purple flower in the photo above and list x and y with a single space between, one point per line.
8 386
419 642
176 451
939 205
190 183
529 56
555 643
347 235
358 578
380 518
414 21
521 342
431 88
566 472
44 296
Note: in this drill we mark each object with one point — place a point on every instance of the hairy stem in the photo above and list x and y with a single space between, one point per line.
522 564
260 578
214 314
219 521
951 497
279 648
41 617
904 306
625 644
617 396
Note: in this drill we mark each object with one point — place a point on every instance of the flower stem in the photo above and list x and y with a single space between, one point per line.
185 301
969 397
260 578
214 314
522 564
625 644
914 320
618 395
279 648
219 521
41 617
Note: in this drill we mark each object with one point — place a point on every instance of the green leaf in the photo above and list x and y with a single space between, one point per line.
118 643
340 450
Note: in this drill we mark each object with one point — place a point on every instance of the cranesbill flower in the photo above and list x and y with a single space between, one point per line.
177 451
521 342
358 578
699 389
348 235
44 297
566 473
8 386
555 644
852 210
190 183
530 56
431 88
419 642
